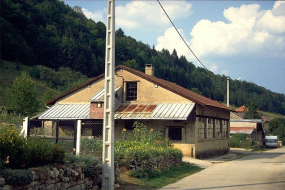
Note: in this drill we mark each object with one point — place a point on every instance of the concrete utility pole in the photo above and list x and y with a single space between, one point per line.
228 92
108 124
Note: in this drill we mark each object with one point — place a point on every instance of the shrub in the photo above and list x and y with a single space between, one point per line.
13 148
18 152
17 177
240 140
40 151
88 163
92 146
58 154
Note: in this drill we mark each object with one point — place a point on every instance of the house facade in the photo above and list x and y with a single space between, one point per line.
197 125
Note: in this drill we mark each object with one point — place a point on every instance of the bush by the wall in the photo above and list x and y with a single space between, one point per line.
58 154
240 140
88 163
40 151
13 148
17 177
19 152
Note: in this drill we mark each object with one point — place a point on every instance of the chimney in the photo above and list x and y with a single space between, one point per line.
149 69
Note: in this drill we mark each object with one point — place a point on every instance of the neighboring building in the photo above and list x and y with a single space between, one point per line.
254 128
197 125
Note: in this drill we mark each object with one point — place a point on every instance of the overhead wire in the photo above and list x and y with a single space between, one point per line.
181 35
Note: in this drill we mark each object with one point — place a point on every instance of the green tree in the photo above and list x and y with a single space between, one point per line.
252 112
22 96
277 127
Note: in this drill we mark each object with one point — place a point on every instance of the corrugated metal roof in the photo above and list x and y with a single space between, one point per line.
247 120
133 111
246 130
99 96
159 111
67 111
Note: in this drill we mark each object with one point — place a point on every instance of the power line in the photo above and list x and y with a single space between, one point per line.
181 36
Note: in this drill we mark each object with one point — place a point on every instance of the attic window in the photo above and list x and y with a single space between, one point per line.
131 91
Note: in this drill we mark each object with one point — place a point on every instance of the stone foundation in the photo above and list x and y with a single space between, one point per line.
59 178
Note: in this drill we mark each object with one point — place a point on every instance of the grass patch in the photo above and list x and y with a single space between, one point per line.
260 149
165 177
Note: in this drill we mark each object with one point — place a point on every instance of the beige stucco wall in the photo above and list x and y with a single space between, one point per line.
242 124
83 95
148 93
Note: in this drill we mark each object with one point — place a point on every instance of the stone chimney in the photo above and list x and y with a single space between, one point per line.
149 69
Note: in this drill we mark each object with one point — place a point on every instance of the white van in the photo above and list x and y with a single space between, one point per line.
271 141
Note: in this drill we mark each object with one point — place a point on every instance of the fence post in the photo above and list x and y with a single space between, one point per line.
24 130
78 137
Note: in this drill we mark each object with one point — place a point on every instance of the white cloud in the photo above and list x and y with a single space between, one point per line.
96 16
171 40
146 15
213 68
278 8
248 30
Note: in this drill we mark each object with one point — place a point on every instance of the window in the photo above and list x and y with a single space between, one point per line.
131 91
129 124
201 128
175 133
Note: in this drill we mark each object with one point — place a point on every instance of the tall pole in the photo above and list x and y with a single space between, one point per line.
228 92
108 124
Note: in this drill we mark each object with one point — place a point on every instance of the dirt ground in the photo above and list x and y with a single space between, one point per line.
128 182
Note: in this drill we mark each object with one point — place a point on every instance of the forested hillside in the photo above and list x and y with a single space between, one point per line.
51 34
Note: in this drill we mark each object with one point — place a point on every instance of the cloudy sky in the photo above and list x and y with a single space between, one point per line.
239 39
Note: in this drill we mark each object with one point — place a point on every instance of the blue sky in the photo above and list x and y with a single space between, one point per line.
239 39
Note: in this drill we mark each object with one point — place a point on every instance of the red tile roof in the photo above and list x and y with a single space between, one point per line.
246 130
265 118
188 94
241 109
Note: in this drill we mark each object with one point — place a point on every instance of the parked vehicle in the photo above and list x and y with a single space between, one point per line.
271 141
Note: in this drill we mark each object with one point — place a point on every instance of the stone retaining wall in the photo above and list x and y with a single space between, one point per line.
59 178
156 163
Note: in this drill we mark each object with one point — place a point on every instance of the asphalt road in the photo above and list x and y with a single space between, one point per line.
253 171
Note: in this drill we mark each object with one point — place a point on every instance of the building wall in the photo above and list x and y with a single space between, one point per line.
212 112
212 136
148 92
243 124
83 95
188 135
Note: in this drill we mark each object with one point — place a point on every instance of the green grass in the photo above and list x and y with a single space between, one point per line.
271 115
9 71
170 175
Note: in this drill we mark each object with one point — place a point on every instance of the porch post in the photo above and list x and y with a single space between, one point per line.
24 130
78 137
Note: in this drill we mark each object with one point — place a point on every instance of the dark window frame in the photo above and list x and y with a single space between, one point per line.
131 91
175 133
